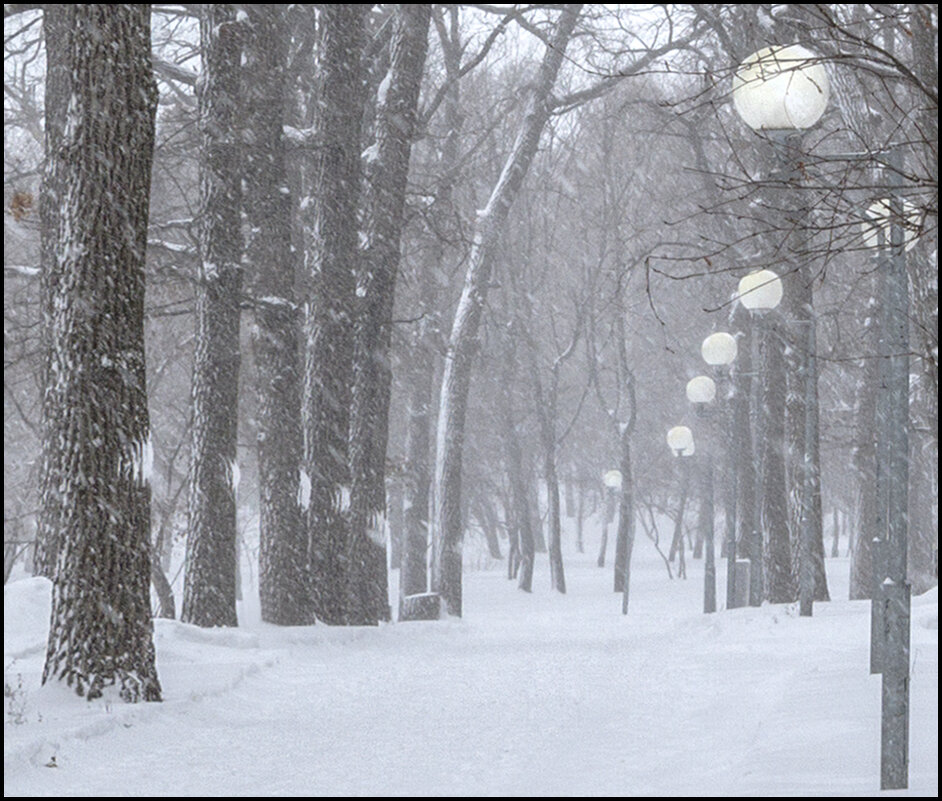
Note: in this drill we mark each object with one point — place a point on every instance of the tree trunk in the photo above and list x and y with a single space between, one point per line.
835 533
332 205
101 632
608 514
513 539
413 575
780 585
546 416
283 577
387 168
521 521
209 591
533 503
744 415
862 581
580 516
484 512
462 345
677 543
626 515
395 522
58 20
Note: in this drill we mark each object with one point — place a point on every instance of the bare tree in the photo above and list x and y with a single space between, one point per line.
446 504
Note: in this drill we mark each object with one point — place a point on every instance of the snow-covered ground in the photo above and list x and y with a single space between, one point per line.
527 695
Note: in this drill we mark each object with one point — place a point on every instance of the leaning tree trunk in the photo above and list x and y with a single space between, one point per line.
57 25
209 590
456 381
101 632
331 253
387 168
283 577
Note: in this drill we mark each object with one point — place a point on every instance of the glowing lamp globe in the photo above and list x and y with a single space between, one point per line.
612 479
761 290
781 88
701 389
719 349
680 440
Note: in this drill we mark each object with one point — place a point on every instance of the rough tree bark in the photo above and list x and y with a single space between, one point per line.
387 168
333 185
101 632
209 591
58 20
283 577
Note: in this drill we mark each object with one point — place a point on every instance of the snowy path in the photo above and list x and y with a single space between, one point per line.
536 695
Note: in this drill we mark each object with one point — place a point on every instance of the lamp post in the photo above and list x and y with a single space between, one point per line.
719 350
700 392
891 601
760 292
783 90
680 441
611 480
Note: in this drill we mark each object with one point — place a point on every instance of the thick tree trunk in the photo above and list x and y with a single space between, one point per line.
333 185
333 188
209 593
101 632
387 168
283 576
462 345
